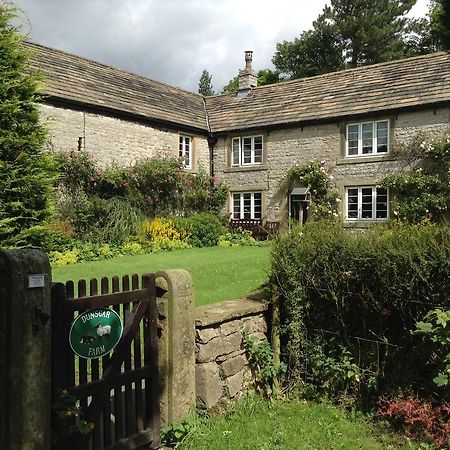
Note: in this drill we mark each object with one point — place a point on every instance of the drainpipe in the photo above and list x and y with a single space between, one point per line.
212 141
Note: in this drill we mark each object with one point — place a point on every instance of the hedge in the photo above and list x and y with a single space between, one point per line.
349 303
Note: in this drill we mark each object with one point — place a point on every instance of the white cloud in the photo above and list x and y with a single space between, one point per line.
173 40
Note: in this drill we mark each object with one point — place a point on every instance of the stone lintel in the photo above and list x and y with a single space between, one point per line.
227 310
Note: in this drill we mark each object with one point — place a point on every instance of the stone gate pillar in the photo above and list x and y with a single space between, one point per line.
25 358
176 347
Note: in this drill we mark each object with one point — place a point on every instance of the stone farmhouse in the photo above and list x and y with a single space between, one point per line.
350 121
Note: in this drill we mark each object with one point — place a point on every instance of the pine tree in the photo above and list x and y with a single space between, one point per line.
315 52
440 23
204 85
348 33
26 171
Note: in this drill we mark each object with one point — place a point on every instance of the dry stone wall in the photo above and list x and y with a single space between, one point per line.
222 371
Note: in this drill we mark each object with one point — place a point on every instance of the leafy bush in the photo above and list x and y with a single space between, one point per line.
366 291
156 186
333 372
79 172
436 327
235 239
260 356
84 251
423 192
100 220
109 204
65 410
133 248
116 220
65 258
204 229
418 418
201 194
162 234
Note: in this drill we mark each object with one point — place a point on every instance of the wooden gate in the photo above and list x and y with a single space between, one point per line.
118 394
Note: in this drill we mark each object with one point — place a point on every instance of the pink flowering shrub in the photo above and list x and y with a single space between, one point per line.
418 418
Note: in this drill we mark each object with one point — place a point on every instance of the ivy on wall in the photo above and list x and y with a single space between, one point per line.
424 192
324 197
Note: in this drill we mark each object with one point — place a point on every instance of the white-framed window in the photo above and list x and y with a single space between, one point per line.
367 203
247 150
367 138
185 151
247 205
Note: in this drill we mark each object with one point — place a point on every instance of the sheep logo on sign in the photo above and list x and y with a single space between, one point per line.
95 333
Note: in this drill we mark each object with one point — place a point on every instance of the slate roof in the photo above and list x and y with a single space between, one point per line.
386 87
74 79
407 83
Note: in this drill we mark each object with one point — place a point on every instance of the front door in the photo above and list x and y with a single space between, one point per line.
298 204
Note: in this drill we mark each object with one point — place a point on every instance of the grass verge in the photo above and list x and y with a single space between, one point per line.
218 273
289 425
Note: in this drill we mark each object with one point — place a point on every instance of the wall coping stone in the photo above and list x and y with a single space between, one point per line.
228 310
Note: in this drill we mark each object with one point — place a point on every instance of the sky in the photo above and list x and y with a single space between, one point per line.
172 41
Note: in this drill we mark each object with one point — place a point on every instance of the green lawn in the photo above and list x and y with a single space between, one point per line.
218 273
288 425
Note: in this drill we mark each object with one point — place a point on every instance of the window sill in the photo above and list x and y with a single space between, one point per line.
245 168
364 159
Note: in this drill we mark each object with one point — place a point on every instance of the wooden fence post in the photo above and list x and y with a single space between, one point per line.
176 348
25 375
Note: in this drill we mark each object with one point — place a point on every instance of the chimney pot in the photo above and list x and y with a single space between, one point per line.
247 77
248 59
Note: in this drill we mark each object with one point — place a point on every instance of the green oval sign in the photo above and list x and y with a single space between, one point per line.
95 333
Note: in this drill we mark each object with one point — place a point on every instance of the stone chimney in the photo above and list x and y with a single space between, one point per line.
247 78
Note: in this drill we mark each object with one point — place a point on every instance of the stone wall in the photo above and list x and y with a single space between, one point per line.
222 371
296 146
110 139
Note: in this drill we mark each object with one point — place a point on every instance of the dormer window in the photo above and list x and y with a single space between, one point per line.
247 150
367 138
185 151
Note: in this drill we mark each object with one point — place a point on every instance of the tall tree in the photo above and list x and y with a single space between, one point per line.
232 86
268 76
432 33
348 33
26 171
204 85
315 52
440 23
